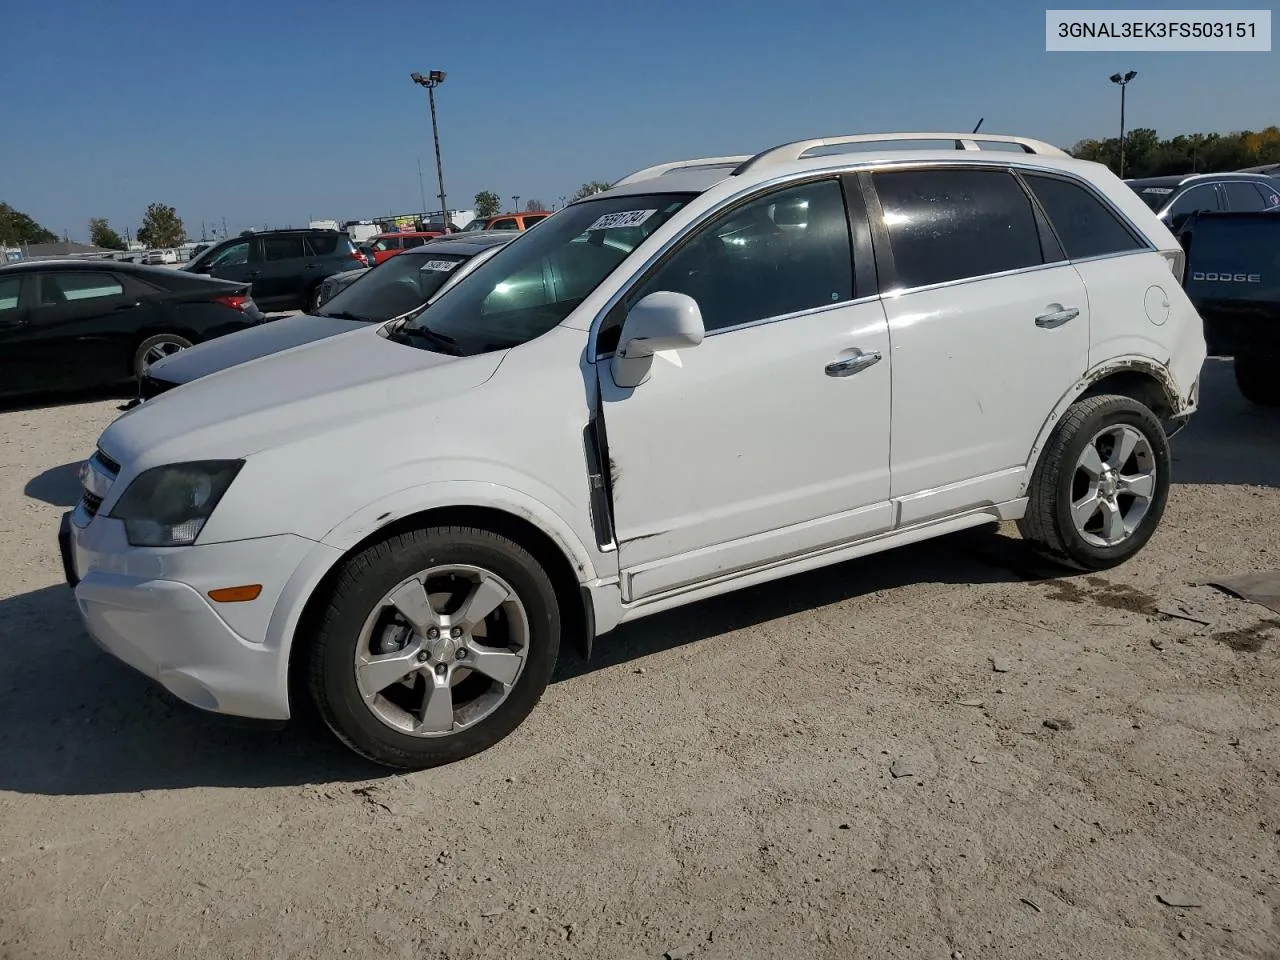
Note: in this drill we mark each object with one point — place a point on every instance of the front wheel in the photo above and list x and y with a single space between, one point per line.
436 644
1256 376
1100 486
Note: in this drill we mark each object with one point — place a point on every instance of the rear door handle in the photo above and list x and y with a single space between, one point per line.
1057 318
854 364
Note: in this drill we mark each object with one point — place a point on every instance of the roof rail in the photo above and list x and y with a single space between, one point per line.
658 170
960 141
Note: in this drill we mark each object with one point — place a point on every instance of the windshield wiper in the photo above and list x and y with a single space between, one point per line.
346 315
403 331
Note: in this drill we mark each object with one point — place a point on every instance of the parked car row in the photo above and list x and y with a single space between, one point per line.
686 384
1176 198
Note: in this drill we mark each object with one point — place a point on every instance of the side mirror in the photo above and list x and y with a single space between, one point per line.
661 321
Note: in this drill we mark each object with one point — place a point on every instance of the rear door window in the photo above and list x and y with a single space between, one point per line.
507 223
1085 226
530 221
282 248
60 288
411 242
322 244
947 225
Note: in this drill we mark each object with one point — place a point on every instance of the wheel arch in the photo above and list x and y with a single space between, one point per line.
1140 378
566 573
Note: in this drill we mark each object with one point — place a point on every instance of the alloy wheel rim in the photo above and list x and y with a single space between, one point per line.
158 351
1113 485
442 650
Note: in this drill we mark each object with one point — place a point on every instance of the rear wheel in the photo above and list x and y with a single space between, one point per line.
1258 379
157 348
313 299
436 644
1100 487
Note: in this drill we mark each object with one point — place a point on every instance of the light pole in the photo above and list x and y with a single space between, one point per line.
1123 81
516 204
432 80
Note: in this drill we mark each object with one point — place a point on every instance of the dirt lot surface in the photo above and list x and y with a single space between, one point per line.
831 766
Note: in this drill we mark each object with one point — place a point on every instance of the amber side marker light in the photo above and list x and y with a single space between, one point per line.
236 594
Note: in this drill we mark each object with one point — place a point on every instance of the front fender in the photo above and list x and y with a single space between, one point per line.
547 512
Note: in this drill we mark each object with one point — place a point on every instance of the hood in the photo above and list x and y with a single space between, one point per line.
287 396
244 345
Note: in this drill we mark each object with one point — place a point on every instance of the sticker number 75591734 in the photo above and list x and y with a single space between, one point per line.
624 218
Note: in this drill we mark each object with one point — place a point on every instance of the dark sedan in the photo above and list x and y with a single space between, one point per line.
70 325
399 286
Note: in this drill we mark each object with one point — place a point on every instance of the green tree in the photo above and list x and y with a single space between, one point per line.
1146 155
162 227
534 205
101 235
587 189
16 227
488 204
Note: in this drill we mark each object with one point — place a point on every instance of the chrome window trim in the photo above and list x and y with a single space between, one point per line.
904 291
1000 161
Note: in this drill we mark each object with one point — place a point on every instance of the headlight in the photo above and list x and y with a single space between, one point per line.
168 506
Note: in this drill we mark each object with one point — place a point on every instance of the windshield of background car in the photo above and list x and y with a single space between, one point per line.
532 285
398 286
1153 195
478 224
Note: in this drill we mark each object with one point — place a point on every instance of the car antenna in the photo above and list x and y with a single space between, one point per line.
980 119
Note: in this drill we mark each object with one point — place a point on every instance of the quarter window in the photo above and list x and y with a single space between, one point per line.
1083 224
780 254
1270 199
949 225
1243 197
282 248
322 244
56 288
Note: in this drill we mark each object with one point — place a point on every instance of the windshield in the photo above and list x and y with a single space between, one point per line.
530 286
1152 195
478 224
401 284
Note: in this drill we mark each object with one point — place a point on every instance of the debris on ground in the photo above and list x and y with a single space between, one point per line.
1054 724
902 767
1181 900
1260 588
1032 904
1000 665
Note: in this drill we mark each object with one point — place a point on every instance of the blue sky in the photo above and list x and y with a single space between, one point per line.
271 111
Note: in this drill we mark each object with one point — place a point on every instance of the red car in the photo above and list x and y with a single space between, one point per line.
387 245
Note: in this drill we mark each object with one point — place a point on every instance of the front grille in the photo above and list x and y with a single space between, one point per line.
91 504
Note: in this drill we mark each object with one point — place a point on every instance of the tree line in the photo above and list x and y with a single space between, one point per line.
161 227
489 204
1146 155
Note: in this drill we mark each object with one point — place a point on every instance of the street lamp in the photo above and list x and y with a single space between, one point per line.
516 201
432 80
1123 81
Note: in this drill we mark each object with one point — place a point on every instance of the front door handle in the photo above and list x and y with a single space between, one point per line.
1057 318
255 273
854 364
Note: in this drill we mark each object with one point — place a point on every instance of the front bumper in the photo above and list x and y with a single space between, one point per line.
150 608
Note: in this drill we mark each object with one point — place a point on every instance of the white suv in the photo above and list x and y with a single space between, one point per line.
714 374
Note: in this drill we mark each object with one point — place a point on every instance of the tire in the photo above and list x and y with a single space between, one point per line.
1258 379
313 299
1061 481
359 617
155 347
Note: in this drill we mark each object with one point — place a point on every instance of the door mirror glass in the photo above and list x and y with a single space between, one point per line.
661 321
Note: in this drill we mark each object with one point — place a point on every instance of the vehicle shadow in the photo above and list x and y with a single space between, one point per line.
77 722
122 392
1229 440
59 486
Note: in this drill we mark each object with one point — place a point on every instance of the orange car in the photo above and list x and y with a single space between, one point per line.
506 221
387 245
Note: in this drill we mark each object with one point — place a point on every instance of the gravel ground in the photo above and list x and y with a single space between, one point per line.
831 766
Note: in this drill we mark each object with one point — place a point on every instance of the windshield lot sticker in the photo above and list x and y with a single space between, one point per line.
626 218
440 266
